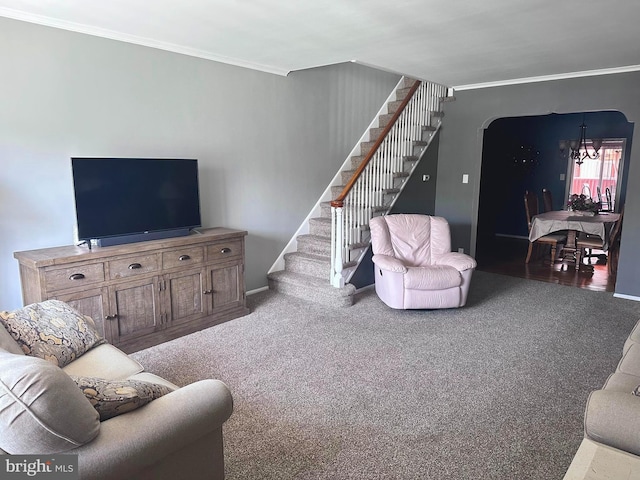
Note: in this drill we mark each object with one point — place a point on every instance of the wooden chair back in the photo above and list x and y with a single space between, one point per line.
530 206
607 194
614 246
614 237
547 200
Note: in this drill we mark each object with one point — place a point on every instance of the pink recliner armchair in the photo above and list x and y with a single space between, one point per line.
414 264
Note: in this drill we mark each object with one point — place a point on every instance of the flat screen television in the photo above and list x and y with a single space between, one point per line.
123 200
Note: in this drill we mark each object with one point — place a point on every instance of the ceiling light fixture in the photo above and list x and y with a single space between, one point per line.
581 145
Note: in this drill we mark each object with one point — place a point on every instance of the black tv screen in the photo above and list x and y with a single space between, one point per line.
127 196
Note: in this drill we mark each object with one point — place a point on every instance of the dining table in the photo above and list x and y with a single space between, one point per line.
572 222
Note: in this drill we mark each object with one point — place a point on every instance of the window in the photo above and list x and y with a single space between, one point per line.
596 175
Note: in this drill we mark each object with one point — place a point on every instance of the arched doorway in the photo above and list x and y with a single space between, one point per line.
524 153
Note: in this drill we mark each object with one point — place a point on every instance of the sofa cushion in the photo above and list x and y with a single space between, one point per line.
436 277
8 343
104 361
41 408
114 397
51 330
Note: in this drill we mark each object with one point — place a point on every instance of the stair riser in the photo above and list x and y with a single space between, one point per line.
356 161
314 247
325 209
392 107
303 293
306 266
346 175
336 190
401 93
320 229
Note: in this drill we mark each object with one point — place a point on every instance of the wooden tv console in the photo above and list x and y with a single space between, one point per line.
142 294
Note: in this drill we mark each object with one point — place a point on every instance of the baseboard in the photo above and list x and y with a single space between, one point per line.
258 290
506 235
626 297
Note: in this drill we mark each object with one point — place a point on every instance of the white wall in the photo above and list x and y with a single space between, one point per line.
267 145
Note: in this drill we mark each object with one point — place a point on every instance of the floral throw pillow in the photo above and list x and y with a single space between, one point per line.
51 330
114 397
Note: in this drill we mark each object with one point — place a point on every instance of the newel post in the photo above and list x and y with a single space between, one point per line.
336 245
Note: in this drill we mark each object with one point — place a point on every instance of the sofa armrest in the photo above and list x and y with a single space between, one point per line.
386 262
133 441
613 418
457 260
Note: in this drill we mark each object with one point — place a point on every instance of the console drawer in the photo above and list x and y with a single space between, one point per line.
182 257
132 266
75 276
221 251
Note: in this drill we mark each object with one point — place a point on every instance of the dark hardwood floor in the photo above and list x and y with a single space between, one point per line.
506 256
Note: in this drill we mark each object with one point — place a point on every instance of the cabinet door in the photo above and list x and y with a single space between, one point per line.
226 286
134 309
92 302
184 296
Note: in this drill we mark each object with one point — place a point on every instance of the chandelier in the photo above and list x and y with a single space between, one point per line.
581 145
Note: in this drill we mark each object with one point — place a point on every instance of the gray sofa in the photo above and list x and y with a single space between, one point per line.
177 434
611 446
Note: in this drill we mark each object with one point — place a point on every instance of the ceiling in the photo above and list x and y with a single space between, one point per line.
461 43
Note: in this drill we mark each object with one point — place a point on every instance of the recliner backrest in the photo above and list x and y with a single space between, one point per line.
416 240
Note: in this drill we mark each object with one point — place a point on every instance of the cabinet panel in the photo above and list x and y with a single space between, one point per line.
135 307
226 288
92 303
184 292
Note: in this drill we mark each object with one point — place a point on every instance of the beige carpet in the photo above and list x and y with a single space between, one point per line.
494 390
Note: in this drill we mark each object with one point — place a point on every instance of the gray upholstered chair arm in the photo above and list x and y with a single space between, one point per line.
457 260
392 264
131 442
613 418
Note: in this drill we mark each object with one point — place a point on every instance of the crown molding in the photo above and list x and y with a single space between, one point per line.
548 78
134 39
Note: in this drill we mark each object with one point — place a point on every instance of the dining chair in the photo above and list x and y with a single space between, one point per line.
606 203
586 190
552 240
585 244
547 200
614 246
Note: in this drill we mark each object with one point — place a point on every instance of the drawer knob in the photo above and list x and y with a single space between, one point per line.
76 276
208 292
110 317
134 266
184 257
225 250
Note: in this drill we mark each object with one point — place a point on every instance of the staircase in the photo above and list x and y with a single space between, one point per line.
382 162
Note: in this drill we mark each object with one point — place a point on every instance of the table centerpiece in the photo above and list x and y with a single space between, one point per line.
583 205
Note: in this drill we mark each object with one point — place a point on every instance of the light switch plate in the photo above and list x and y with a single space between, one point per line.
465 178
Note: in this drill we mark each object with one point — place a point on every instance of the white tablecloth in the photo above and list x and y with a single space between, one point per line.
549 222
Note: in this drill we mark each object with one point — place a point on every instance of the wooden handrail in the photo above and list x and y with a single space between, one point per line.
339 202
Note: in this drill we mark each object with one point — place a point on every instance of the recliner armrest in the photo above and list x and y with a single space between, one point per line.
457 260
392 264
130 442
613 418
